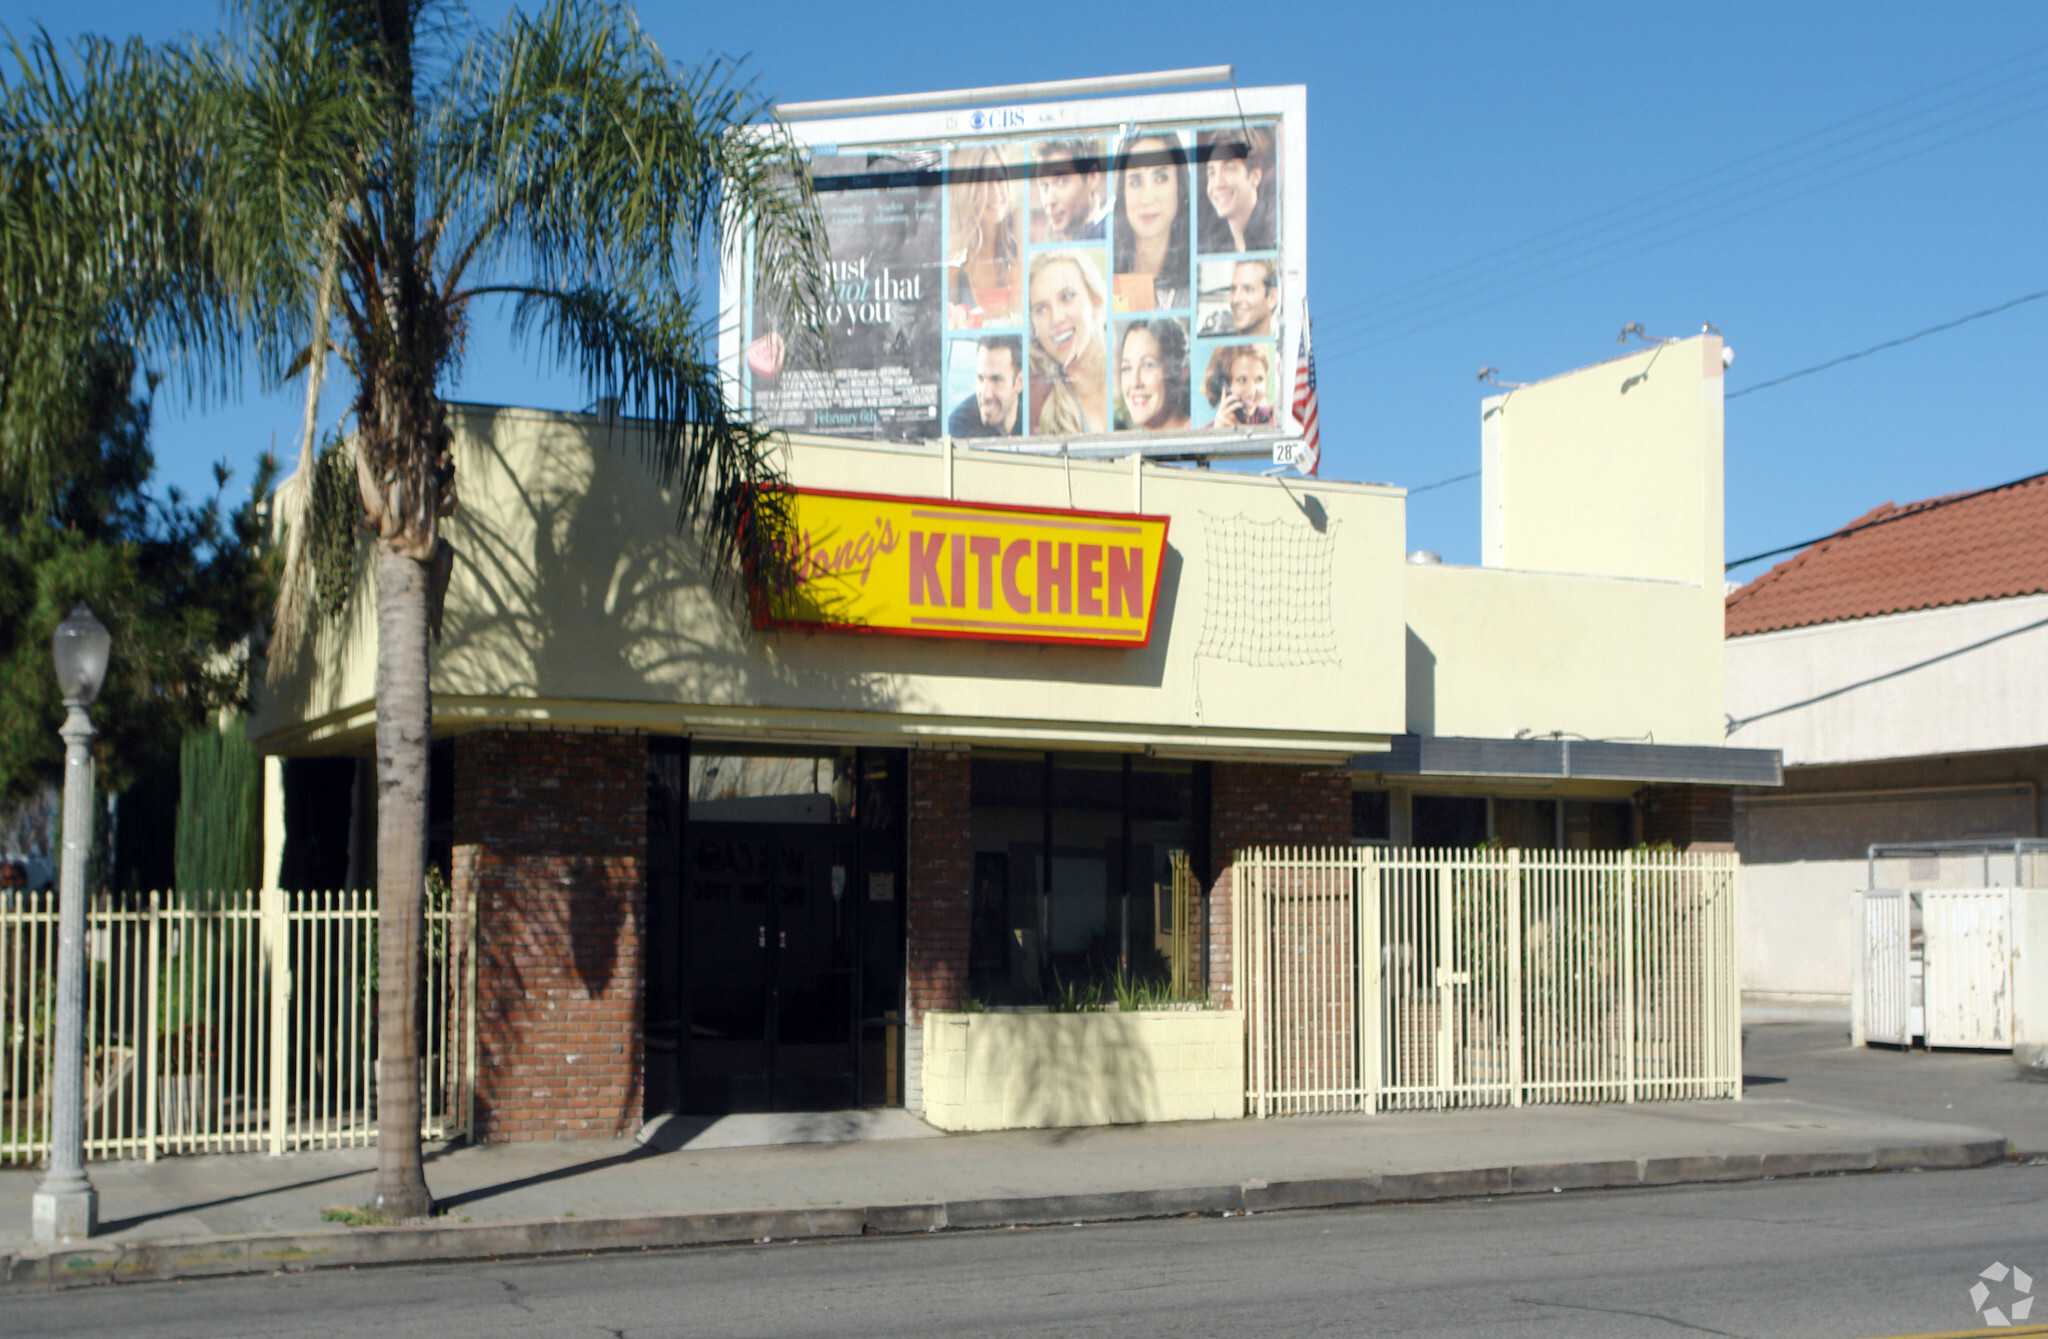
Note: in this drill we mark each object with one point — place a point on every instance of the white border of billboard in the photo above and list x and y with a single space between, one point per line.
964 124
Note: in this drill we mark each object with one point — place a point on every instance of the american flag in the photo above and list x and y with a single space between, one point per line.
1305 400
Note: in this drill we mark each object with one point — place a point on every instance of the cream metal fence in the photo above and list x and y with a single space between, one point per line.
228 1023
1394 978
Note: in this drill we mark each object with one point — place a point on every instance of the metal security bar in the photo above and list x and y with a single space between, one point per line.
1397 978
228 1023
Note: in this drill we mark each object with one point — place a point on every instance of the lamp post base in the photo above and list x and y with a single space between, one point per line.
66 1215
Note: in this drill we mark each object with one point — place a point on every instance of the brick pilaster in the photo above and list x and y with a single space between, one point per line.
940 877
550 845
1261 804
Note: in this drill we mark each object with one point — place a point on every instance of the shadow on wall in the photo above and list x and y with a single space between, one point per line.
1058 1070
576 583
1421 718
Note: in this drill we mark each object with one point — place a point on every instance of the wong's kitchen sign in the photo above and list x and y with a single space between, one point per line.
919 567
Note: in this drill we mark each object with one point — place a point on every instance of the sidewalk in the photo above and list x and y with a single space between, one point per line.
1815 1106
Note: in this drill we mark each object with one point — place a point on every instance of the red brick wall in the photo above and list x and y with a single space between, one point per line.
1261 804
1690 817
550 839
940 879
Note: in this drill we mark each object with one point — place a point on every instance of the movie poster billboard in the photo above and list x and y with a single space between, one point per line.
1073 273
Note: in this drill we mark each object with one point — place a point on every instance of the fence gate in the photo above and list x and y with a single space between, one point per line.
228 1023
1887 964
1394 978
1967 973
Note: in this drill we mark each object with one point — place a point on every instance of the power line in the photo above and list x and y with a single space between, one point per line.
1888 344
1770 177
1883 520
1347 344
1441 483
1469 294
1343 312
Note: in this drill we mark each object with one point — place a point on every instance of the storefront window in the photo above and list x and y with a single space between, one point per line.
1090 917
1448 820
756 788
1526 825
1371 816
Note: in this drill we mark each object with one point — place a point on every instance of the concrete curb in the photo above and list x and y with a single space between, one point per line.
335 1248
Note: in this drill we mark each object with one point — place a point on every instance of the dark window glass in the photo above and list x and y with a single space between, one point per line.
1448 820
1528 825
1598 825
1072 881
1371 816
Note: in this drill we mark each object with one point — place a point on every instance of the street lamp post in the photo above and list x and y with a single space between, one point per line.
66 1205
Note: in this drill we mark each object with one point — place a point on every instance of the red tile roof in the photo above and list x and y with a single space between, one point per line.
1948 550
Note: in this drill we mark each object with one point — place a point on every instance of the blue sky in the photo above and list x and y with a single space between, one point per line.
1510 187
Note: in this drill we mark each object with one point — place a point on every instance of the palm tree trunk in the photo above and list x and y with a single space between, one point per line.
404 718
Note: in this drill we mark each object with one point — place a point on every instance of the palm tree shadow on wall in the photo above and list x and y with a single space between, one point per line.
583 588
573 583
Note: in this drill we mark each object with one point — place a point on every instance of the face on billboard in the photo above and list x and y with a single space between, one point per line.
1152 376
1237 385
1113 262
1067 191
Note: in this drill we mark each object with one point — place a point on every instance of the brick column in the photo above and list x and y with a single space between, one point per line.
940 877
1691 818
1261 804
936 899
551 848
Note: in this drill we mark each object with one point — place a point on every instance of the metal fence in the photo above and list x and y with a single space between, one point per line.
228 1023
1393 978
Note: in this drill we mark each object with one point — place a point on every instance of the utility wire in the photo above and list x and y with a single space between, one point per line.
1343 312
1888 344
1883 520
1441 483
1358 341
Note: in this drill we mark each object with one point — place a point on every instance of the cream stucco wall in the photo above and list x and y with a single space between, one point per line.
1493 653
1000 1071
1598 611
1935 681
574 600
1610 470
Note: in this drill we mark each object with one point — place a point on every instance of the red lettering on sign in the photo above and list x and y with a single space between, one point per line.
1055 574
985 548
924 568
1086 601
959 571
1126 582
1019 550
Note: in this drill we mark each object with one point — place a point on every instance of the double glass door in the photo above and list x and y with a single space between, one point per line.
770 939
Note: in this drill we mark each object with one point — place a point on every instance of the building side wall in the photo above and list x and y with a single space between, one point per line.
1610 470
550 846
1804 855
574 590
1936 681
1492 653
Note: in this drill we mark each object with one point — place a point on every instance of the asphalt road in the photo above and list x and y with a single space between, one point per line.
1840 1256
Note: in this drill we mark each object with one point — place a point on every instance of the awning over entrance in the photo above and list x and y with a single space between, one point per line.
1580 759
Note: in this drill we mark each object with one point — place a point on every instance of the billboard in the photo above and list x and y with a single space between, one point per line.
1094 271
919 567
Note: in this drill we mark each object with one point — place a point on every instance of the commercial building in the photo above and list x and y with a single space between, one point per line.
1896 667
719 866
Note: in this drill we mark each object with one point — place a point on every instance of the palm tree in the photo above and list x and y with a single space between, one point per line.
358 175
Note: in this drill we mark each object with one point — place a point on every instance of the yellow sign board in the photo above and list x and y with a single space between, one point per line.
919 567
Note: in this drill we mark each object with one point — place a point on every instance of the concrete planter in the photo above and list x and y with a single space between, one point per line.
1043 1070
